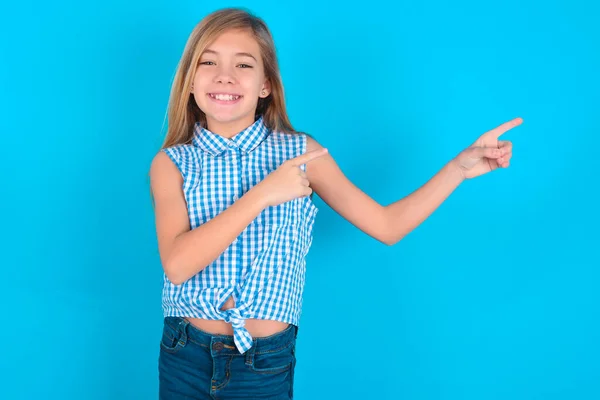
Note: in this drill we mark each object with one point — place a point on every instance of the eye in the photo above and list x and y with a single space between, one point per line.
207 63
246 66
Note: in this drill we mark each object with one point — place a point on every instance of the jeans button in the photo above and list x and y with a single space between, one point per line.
218 346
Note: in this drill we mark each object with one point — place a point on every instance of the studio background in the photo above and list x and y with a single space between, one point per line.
495 296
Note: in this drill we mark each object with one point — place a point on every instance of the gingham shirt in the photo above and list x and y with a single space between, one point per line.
264 267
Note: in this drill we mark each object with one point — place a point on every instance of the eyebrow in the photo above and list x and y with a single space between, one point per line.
237 54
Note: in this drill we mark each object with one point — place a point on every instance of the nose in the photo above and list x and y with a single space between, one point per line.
224 75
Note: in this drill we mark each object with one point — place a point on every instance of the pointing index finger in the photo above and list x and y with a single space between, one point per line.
498 131
309 156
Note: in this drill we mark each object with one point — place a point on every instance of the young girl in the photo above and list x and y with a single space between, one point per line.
232 190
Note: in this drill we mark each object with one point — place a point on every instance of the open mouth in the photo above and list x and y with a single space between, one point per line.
224 98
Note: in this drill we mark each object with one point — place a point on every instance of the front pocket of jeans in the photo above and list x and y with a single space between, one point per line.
169 341
274 362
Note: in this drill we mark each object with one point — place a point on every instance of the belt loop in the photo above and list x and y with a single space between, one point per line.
182 328
250 354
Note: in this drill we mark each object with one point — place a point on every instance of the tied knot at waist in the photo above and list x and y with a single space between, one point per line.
241 336
234 317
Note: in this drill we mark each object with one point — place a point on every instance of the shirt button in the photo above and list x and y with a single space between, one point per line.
218 346
235 197
231 144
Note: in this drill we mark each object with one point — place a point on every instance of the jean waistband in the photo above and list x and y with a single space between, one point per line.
225 344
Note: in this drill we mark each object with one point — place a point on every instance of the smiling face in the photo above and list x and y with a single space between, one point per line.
228 82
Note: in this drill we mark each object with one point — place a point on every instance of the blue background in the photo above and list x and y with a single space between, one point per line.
495 296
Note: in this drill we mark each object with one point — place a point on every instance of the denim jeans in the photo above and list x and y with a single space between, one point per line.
194 364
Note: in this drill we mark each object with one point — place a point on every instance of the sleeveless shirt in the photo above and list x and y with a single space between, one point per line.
264 267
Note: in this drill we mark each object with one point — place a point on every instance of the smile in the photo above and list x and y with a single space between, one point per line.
224 97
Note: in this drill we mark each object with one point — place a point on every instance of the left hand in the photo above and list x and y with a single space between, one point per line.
487 153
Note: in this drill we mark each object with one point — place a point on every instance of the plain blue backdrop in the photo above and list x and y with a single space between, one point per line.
495 296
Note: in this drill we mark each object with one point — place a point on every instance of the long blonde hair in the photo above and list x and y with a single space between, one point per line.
183 112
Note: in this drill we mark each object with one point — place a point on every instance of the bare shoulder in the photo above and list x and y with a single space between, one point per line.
161 162
164 174
312 144
318 166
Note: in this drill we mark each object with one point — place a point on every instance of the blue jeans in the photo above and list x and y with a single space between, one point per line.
194 364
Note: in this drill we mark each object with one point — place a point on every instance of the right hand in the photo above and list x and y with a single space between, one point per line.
288 181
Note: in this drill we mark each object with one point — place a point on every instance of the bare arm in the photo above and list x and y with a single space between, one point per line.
406 214
387 224
185 252
391 223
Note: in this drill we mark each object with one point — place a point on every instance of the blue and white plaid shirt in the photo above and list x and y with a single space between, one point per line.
264 267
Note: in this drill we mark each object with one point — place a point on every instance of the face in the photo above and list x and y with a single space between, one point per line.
228 82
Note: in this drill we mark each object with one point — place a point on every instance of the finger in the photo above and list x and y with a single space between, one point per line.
504 158
498 131
488 152
305 182
307 191
302 173
308 156
505 146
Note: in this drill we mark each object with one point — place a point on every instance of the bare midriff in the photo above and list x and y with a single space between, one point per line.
256 327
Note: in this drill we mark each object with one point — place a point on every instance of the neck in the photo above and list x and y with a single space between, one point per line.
231 128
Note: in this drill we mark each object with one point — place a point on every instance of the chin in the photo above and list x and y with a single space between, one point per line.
229 116
221 118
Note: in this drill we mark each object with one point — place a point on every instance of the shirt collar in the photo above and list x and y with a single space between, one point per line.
246 140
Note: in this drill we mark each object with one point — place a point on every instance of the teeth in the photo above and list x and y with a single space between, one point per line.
225 97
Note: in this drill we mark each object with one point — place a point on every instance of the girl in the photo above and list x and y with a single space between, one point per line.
232 188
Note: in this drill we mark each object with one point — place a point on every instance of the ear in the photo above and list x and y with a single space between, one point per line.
266 89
